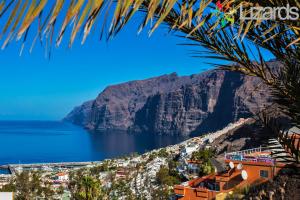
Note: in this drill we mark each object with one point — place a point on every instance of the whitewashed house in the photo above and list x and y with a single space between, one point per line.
188 150
62 177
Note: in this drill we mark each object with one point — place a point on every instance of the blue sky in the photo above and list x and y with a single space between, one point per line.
35 88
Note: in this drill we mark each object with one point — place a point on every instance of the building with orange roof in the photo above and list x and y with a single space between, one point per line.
62 177
248 167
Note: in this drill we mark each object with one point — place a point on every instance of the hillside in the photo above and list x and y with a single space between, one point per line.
172 104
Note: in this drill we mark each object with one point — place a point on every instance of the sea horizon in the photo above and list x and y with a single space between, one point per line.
31 141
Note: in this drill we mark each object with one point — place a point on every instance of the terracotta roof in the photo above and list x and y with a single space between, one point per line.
61 174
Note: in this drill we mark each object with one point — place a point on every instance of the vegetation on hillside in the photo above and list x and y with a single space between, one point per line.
84 186
166 178
29 185
203 157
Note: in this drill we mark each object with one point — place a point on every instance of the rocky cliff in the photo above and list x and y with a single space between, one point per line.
171 104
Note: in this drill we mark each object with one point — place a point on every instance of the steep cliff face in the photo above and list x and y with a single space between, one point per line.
173 105
207 105
81 114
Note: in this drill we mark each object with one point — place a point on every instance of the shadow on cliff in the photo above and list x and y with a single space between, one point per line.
223 115
247 136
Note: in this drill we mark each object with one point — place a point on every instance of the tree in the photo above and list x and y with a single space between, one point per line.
161 193
162 153
202 155
29 185
120 188
206 168
10 187
23 187
85 187
61 190
47 191
163 177
101 168
90 186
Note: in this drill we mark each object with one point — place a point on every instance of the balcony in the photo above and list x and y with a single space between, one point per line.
251 155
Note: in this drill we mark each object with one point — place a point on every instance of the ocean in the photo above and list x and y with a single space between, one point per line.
54 141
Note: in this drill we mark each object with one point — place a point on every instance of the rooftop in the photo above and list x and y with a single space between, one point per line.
260 154
61 174
268 154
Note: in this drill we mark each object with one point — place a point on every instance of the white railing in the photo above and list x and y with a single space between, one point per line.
245 152
243 156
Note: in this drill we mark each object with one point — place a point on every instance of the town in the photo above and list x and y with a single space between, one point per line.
190 170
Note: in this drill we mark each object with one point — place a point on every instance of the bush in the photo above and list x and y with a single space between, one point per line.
163 153
166 177
152 156
101 168
8 188
206 168
172 164
202 155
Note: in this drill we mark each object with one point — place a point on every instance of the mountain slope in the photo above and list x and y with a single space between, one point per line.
171 104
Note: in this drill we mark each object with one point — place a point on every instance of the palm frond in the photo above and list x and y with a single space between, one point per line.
85 13
193 19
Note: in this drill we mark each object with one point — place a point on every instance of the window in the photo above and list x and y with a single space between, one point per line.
217 187
264 174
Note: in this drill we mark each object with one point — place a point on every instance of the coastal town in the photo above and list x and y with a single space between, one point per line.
186 171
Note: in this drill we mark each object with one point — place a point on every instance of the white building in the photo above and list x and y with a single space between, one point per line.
62 177
6 196
188 150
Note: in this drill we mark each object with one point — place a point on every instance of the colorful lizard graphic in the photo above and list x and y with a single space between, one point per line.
224 17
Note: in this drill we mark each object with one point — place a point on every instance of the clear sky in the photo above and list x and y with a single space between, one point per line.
35 88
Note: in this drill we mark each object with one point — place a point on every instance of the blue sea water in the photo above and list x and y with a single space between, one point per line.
54 141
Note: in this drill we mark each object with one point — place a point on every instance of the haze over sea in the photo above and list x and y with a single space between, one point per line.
54 141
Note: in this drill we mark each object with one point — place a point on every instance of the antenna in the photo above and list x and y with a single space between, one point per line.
244 175
239 166
231 165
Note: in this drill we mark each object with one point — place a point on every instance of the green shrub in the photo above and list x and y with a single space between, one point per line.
206 168
166 177
202 155
163 153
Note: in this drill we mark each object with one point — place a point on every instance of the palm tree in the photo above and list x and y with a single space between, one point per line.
217 26
86 188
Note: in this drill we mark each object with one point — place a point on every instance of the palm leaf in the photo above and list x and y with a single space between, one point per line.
55 12
11 17
33 12
192 19
81 20
20 14
189 12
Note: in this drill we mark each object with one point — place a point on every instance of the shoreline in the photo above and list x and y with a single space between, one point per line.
203 139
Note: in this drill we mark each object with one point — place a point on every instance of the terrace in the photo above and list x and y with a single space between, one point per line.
208 187
247 167
258 155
